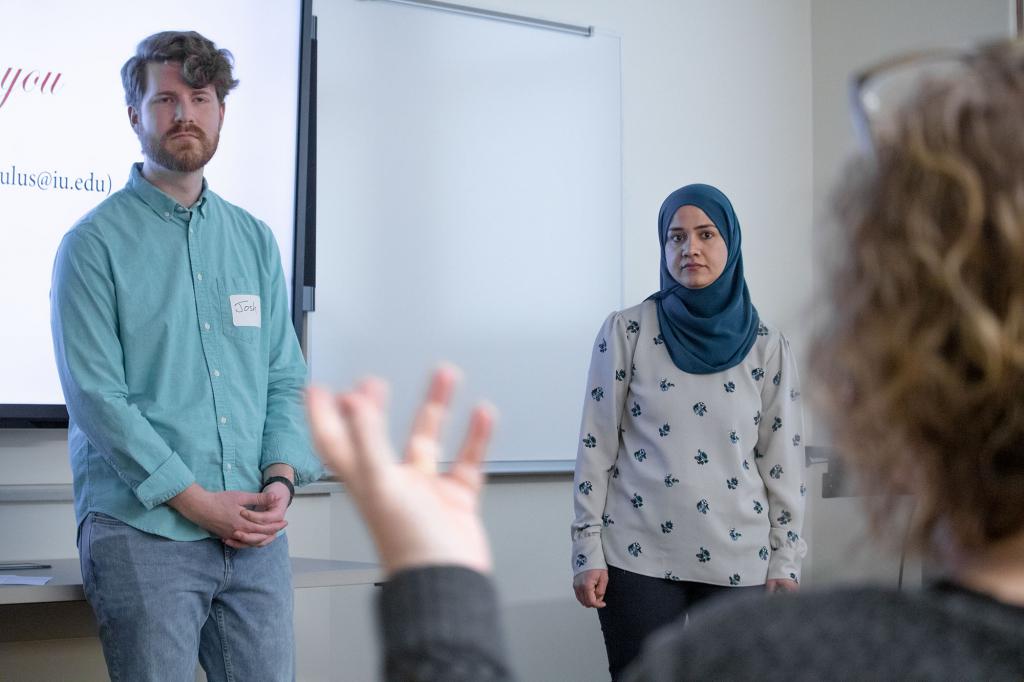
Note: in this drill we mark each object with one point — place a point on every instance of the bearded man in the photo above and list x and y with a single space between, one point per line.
183 379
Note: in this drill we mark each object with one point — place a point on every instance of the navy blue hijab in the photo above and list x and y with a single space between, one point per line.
711 329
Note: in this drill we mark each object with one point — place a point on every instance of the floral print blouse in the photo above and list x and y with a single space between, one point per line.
681 476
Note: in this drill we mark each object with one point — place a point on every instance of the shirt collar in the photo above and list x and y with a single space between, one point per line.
162 204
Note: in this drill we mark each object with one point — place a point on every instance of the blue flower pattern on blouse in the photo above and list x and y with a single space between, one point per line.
736 435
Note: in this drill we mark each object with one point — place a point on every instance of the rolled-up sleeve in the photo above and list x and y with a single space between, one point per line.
781 465
90 363
285 432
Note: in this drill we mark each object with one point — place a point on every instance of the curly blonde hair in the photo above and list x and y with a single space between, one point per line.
922 361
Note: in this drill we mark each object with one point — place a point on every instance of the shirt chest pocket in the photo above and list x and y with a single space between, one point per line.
241 308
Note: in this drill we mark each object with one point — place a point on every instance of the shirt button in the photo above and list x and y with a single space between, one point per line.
223 420
166 214
206 326
228 466
199 276
216 372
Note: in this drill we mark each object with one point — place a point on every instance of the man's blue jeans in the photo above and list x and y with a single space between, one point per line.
161 604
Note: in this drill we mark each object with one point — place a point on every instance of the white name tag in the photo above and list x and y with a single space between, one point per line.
245 310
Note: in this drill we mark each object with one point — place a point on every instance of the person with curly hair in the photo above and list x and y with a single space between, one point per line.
183 380
921 372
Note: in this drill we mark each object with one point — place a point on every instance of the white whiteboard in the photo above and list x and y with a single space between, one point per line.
469 209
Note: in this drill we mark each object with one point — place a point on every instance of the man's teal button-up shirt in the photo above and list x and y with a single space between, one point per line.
177 356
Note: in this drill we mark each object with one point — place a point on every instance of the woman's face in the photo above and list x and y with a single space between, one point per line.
694 250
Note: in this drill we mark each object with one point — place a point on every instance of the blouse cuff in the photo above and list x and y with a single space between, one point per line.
587 552
788 548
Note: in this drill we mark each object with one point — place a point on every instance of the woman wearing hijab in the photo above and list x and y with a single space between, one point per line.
689 473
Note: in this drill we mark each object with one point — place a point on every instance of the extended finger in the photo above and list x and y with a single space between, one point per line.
371 447
330 432
466 467
425 438
377 391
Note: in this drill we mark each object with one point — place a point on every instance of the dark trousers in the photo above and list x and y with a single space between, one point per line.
637 605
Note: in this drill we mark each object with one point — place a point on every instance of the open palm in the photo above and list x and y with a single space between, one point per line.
417 516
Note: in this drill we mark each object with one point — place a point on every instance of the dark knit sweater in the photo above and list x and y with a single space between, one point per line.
443 624
867 633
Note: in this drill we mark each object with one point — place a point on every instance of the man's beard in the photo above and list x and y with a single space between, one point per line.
186 159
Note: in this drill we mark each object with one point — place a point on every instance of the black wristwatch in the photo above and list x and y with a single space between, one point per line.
281 479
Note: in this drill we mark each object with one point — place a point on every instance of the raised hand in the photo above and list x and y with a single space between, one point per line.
417 516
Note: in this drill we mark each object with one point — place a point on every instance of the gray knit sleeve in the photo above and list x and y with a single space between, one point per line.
441 623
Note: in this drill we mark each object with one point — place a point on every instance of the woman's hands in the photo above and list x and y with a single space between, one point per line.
590 587
417 517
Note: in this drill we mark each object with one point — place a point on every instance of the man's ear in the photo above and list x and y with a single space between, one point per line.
133 118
